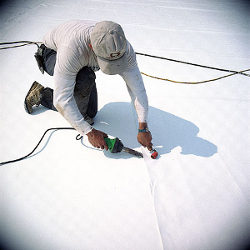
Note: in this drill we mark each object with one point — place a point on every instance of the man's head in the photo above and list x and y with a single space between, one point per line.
109 44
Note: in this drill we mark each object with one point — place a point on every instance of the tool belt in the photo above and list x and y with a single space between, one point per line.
39 57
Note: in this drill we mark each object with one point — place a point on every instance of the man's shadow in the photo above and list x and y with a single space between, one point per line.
169 131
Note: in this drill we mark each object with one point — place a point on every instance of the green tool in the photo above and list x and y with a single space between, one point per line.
115 146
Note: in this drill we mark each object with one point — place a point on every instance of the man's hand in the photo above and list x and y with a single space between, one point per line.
144 138
96 138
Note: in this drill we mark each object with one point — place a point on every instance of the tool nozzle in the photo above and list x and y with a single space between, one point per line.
153 153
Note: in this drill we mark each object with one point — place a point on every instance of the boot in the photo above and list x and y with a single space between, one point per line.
33 97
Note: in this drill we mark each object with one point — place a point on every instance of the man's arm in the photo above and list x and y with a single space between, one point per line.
65 103
138 95
144 138
66 69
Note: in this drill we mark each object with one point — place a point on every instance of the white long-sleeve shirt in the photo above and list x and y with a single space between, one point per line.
71 42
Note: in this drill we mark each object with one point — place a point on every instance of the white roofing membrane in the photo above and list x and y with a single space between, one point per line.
69 196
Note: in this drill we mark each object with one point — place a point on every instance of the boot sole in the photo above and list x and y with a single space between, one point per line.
25 103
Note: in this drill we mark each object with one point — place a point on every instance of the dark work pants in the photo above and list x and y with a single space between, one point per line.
85 92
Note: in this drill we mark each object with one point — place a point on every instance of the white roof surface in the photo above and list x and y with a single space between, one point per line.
195 196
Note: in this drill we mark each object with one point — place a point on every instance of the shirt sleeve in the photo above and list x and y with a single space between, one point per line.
66 69
135 85
137 92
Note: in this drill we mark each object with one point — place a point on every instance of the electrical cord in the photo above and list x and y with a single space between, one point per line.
78 137
23 43
232 72
194 64
210 80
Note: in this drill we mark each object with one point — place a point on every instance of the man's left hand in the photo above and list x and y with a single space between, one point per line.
145 138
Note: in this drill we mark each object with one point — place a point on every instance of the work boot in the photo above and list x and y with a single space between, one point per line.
33 97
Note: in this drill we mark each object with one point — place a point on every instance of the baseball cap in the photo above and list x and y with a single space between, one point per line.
109 44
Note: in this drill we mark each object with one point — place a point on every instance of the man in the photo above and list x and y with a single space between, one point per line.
72 52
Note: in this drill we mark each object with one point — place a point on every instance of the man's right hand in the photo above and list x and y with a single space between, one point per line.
96 138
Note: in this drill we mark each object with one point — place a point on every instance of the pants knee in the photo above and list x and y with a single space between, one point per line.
85 77
47 98
49 60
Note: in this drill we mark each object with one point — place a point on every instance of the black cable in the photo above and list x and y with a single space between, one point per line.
194 64
24 43
26 156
